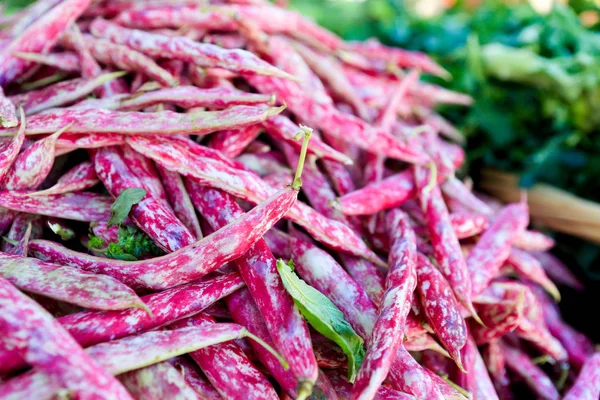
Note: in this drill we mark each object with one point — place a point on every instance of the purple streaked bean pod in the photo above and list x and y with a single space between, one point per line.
73 141
61 93
528 267
93 120
152 214
456 189
263 163
8 112
227 367
39 340
531 240
233 142
387 334
188 263
180 201
557 271
66 61
496 366
446 247
195 379
33 165
258 268
92 327
493 248
366 274
143 168
249 187
158 381
39 37
30 15
86 207
500 312
67 284
522 366
587 385
181 48
191 96
80 177
441 308
282 128
10 147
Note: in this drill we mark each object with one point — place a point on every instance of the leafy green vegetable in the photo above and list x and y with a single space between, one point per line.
122 205
132 245
324 316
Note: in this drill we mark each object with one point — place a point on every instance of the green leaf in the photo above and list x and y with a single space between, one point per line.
324 316
122 205
64 232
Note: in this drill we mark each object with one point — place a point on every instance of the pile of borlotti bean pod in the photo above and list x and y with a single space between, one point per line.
176 126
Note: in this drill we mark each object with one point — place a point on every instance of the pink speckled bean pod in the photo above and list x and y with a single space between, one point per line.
8 112
587 385
191 96
480 384
399 57
496 365
522 366
390 192
89 67
577 345
246 313
80 177
153 213
181 48
446 247
143 168
92 327
335 123
528 267
39 339
127 59
195 379
94 120
227 367
366 274
33 165
343 388
456 189
233 142
226 40
322 272
134 352
30 15
468 225
441 308
189 263
61 93
249 187
500 313
282 128
158 381
10 147
558 271
39 37
67 284
72 141
493 248
21 232
387 334
263 164
531 240
258 269
179 199
87 207
532 327
66 61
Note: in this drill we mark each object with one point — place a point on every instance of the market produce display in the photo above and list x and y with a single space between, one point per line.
227 200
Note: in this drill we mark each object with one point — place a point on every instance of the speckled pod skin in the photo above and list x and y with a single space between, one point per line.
92 327
493 248
528 267
558 271
8 112
522 366
95 120
158 381
79 178
227 367
495 363
501 313
233 142
258 269
587 385
531 240
388 331
9 149
66 60
195 379
40 340
245 185
39 37
202 54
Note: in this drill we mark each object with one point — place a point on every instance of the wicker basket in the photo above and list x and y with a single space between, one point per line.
548 206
